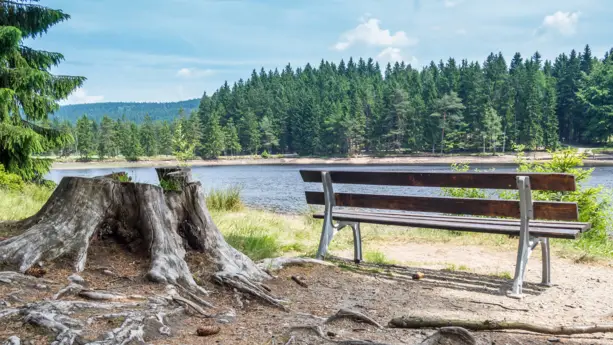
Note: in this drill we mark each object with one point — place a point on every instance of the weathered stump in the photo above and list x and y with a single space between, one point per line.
162 224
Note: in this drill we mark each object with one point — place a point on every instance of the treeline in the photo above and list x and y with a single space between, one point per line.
354 107
451 106
110 138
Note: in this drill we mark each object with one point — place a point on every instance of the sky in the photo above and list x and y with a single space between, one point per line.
171 50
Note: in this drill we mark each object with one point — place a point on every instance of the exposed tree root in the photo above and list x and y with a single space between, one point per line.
350 314
241 283
278 263
140 320
450 335
488 325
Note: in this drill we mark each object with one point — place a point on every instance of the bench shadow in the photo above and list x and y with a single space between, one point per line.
457 280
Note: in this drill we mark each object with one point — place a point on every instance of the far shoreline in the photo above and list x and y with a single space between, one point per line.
474 160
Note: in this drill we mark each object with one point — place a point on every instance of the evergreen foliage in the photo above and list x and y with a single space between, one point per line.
28 91
353 108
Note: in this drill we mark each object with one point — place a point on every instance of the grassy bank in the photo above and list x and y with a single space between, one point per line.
262 234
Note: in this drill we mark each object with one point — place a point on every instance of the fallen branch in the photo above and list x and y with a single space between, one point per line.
489 325
350 314
501 306
299 282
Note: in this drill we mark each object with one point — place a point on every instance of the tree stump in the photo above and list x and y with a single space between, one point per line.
163 224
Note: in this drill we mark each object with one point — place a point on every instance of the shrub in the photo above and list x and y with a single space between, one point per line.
266 155
9 180
594 202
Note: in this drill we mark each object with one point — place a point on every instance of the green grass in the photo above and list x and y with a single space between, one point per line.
228 199
377 257
503 275
454 268
262 234
16 205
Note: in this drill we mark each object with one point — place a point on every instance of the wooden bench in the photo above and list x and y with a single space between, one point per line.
533 221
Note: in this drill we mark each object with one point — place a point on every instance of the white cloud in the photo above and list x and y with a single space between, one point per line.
369 32
393 55
80 96
194 73
564 22
452 3
461 31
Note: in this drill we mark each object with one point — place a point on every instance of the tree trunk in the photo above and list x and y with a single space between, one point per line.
160 224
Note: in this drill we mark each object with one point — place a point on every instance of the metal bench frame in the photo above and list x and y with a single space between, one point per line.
527 243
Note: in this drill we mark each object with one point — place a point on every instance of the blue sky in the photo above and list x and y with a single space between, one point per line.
170 50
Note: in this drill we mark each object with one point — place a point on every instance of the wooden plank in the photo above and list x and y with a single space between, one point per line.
477 207
457 226
487 180
581 227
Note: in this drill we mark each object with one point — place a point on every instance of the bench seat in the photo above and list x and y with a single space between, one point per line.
550 229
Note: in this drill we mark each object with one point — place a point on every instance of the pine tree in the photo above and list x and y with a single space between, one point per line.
28 91
164 135
85 138
269 138
148 138
596 97
492 128
449 114
183 149
193 130
213 136
231 141
107 146
250 132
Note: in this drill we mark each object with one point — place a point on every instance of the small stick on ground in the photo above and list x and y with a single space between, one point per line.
350 314
299 281
500 305
489 325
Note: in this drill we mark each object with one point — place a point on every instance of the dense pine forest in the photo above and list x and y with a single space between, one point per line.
356 107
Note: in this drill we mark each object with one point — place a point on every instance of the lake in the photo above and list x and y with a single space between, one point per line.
279 188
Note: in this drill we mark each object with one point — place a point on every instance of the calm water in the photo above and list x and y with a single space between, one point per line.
280 188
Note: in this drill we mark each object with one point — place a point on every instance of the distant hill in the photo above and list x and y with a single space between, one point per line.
134 111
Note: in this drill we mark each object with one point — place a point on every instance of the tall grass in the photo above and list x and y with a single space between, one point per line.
227 199
20 204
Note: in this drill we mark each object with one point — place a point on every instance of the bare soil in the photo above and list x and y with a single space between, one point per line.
472 289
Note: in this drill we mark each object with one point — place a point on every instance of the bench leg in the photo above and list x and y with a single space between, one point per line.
523 255
546 262
327 233
357 243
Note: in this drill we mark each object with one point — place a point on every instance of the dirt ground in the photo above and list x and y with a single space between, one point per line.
472 289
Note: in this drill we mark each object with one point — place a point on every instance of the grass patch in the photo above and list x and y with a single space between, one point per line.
503 275
228 199
255 243
377 257
455 268
20 204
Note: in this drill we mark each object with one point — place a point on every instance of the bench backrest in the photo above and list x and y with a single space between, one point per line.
563 211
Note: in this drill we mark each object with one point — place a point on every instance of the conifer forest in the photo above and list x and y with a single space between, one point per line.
358 106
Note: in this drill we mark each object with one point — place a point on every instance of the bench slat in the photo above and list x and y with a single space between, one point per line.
488 180
479 207
475 226
579 226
